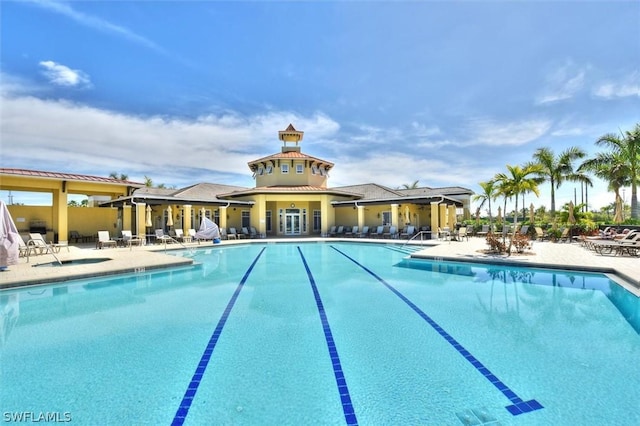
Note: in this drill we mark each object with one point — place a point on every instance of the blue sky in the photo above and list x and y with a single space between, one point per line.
446 93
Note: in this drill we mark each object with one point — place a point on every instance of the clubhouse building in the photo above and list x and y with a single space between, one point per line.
291 197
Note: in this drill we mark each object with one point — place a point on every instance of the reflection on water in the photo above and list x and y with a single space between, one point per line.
623 300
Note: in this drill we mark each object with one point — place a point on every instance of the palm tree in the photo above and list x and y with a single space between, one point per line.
558 169
489 189
627 148
610 167
519 181
413 185
121 176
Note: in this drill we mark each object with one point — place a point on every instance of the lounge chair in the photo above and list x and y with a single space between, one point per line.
484 231
233 234
192 234
540 234
24 249
608 246
350 232
462 233
408 231
444 233
161 237
565 236
340 231
378 232
524 230
181 237
254 232
129 240
332 231
364 233
391 232
245 232
104 240
74 236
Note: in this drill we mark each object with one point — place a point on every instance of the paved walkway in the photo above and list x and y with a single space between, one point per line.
79 260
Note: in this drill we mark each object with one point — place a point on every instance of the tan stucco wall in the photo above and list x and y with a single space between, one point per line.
85 220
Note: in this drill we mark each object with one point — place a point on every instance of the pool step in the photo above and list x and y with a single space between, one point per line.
476 416
405 249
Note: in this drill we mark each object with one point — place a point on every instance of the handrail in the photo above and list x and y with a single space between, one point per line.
169 237
421 233
49 250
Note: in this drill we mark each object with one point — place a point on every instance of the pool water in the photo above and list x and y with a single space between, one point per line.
323 333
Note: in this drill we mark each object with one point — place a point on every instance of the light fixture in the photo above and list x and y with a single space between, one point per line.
292 205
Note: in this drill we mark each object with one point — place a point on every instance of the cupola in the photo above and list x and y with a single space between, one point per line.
290 136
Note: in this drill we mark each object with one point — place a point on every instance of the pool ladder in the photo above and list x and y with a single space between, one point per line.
420 234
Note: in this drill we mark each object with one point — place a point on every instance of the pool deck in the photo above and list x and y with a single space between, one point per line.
572 256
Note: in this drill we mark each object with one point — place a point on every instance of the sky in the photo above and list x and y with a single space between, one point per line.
391 92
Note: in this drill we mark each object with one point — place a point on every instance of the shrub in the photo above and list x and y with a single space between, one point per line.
520 242
495 243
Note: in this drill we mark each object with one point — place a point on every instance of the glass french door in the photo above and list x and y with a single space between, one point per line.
292 222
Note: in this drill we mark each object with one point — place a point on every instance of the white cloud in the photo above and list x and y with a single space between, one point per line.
563 83
64 76
36 132
492 133
65 9
624 87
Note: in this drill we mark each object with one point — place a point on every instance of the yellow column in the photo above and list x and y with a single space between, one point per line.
442 220
435 221
259 214
60 223
394 215
452 216
126 216
186 218
141 210
223 217
360 217
328 215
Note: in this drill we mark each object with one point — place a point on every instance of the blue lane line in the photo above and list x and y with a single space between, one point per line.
518 405
190 393
345 398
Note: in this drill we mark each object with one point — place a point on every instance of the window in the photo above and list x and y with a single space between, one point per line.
260 171
268 221
216 216
386 218
284 169
299 169
317 220
314 169
269 169
323 171
246 219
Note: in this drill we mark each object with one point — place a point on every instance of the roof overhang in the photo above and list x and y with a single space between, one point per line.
158 200
420 200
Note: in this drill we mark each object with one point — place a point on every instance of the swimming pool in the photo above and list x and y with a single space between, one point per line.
323 333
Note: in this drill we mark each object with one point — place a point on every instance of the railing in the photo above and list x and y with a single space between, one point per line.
48 247
420 234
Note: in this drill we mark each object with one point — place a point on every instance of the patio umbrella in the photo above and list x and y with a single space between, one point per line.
571 218
532 214
169 216
478 216
407 215
617 218
148 222
9 238
499 217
